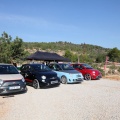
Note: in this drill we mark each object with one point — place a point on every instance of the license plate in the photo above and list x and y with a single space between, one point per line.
14 87
53 82
79 79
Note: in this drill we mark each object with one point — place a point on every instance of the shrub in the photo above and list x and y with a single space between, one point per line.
118 69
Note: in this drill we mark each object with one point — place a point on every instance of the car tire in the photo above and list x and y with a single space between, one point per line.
36 84
63 80
87 77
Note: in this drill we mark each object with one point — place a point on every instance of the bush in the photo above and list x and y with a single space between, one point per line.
118 69
102 71
97 66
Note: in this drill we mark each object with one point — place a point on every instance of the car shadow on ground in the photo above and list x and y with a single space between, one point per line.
45 87
73 83
50 87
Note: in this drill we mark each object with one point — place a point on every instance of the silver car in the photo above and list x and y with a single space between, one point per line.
11 81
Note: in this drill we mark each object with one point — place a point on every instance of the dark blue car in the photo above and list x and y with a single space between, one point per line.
39 75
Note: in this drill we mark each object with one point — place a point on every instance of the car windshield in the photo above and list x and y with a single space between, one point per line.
8 69
41 67
87 66
66 67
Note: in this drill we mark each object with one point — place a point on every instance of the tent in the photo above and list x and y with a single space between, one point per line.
46 56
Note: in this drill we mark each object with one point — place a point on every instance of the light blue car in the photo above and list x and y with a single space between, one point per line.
66 73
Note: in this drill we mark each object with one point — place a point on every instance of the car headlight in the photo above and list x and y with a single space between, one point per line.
43 77
1 82
23 79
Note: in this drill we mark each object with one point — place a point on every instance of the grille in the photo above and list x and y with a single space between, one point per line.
78 75
12 83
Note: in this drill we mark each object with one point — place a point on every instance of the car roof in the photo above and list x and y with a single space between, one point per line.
32 64
5 64
78 63
59 63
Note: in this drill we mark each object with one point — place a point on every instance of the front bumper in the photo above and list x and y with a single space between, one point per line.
55 82
79 80
8 87
96 77
5 90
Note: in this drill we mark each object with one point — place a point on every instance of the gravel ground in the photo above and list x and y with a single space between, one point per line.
91 100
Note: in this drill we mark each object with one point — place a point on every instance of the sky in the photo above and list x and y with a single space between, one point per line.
95 22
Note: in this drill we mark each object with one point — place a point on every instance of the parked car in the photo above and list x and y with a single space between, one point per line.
39 75
11 81
66 73
87 71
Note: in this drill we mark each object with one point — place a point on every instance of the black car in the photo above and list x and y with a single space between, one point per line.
39 75
11 81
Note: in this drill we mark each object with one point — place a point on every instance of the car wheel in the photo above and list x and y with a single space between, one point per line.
64 80
36 84
87 77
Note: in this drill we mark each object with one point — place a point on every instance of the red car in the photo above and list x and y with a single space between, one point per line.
87 71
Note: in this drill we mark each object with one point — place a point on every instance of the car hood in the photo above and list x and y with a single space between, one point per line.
48 73
70 71
11 76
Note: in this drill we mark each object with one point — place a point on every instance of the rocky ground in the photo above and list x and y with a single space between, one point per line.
91 100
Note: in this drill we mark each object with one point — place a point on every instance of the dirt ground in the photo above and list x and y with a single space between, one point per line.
112 77
4 106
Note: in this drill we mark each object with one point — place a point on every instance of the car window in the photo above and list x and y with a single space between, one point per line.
66 67
52 66
8 69
23 68
57 67
76 66
28 68
80 66
41 67
87 66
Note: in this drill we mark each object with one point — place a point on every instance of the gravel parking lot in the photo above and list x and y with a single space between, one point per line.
91 100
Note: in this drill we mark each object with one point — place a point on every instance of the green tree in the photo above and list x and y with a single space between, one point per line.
114 55
5 47
10 49
68 54
74 58
17 48
100 58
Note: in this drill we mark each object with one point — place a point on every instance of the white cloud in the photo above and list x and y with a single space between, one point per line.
35 22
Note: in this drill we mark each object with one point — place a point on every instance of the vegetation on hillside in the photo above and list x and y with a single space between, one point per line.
75 52
17 50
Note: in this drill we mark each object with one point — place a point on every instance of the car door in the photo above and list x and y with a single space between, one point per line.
60 72
25 71
82 69
76 67
56 69
79 68
29 74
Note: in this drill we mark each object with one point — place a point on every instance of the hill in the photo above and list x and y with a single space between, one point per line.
60 48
